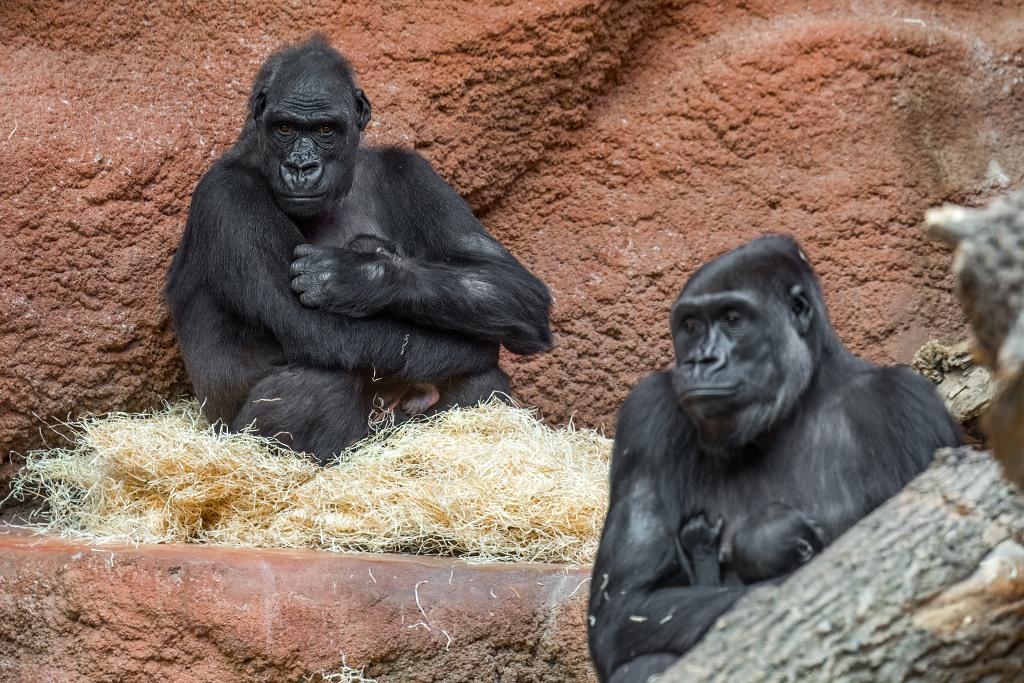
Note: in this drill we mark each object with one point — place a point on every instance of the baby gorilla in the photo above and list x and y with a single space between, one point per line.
771 544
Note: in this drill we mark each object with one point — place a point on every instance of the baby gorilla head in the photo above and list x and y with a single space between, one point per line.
372 244
773 543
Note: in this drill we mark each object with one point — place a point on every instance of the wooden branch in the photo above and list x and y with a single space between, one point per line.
989 272
929 587
965 387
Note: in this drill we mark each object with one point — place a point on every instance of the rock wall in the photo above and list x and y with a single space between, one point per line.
613 146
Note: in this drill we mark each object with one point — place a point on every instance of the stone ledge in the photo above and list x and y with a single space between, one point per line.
74 611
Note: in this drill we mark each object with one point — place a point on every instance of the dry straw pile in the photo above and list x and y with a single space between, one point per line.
489 483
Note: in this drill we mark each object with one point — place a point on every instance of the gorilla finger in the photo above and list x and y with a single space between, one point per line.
804 551
698 521
305 250
716 528
310 300
696 530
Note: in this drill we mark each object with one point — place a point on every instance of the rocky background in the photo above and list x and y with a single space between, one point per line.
612 146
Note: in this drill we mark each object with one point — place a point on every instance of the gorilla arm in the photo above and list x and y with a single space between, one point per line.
236 263
639 603
459 279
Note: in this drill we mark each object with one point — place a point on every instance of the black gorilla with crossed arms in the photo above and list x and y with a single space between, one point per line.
317 279
767 438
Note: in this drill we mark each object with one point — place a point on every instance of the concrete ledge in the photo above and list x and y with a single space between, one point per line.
72 611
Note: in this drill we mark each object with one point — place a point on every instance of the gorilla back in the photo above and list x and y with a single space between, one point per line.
765 441
314 272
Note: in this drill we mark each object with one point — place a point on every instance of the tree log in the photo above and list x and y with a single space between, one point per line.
989 272
929 587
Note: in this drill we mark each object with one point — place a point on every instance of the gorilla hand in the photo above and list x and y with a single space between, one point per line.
349 282
699 543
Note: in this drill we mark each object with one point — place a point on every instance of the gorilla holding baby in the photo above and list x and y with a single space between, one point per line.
317 279
767 440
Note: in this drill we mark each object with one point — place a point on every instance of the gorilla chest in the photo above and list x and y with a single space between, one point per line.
740 490
339 230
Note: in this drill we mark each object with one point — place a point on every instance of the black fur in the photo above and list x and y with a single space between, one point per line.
313 272
765 410
773 542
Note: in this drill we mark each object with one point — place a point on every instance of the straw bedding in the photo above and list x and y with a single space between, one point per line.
487 483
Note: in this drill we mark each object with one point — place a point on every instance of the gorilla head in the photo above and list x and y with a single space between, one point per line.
749 329
308 113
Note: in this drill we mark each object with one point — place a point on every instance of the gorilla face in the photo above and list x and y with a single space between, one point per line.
309 118
742 361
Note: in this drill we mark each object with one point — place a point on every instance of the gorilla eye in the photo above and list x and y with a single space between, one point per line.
284 128
325 130
732 320
689 326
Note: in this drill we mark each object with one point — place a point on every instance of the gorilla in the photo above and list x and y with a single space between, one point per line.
318 279
772 543
766 439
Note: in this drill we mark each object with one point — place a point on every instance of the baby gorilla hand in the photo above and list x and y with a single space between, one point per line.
352 282
698 542
697 536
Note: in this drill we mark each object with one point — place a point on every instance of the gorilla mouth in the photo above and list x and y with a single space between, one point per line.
302 197
710 392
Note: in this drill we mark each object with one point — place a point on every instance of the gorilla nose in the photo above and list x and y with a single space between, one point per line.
300 177
707 361
707 364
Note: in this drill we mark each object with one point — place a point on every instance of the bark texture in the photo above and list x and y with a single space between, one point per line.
989 273
929 587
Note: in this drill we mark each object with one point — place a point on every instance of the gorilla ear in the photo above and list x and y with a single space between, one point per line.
257 103
801 307
362 108
804 551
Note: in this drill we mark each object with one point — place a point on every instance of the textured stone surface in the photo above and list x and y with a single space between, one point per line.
613 146
189 614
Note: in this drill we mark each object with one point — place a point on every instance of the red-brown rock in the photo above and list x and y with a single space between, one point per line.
613 146
81 613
